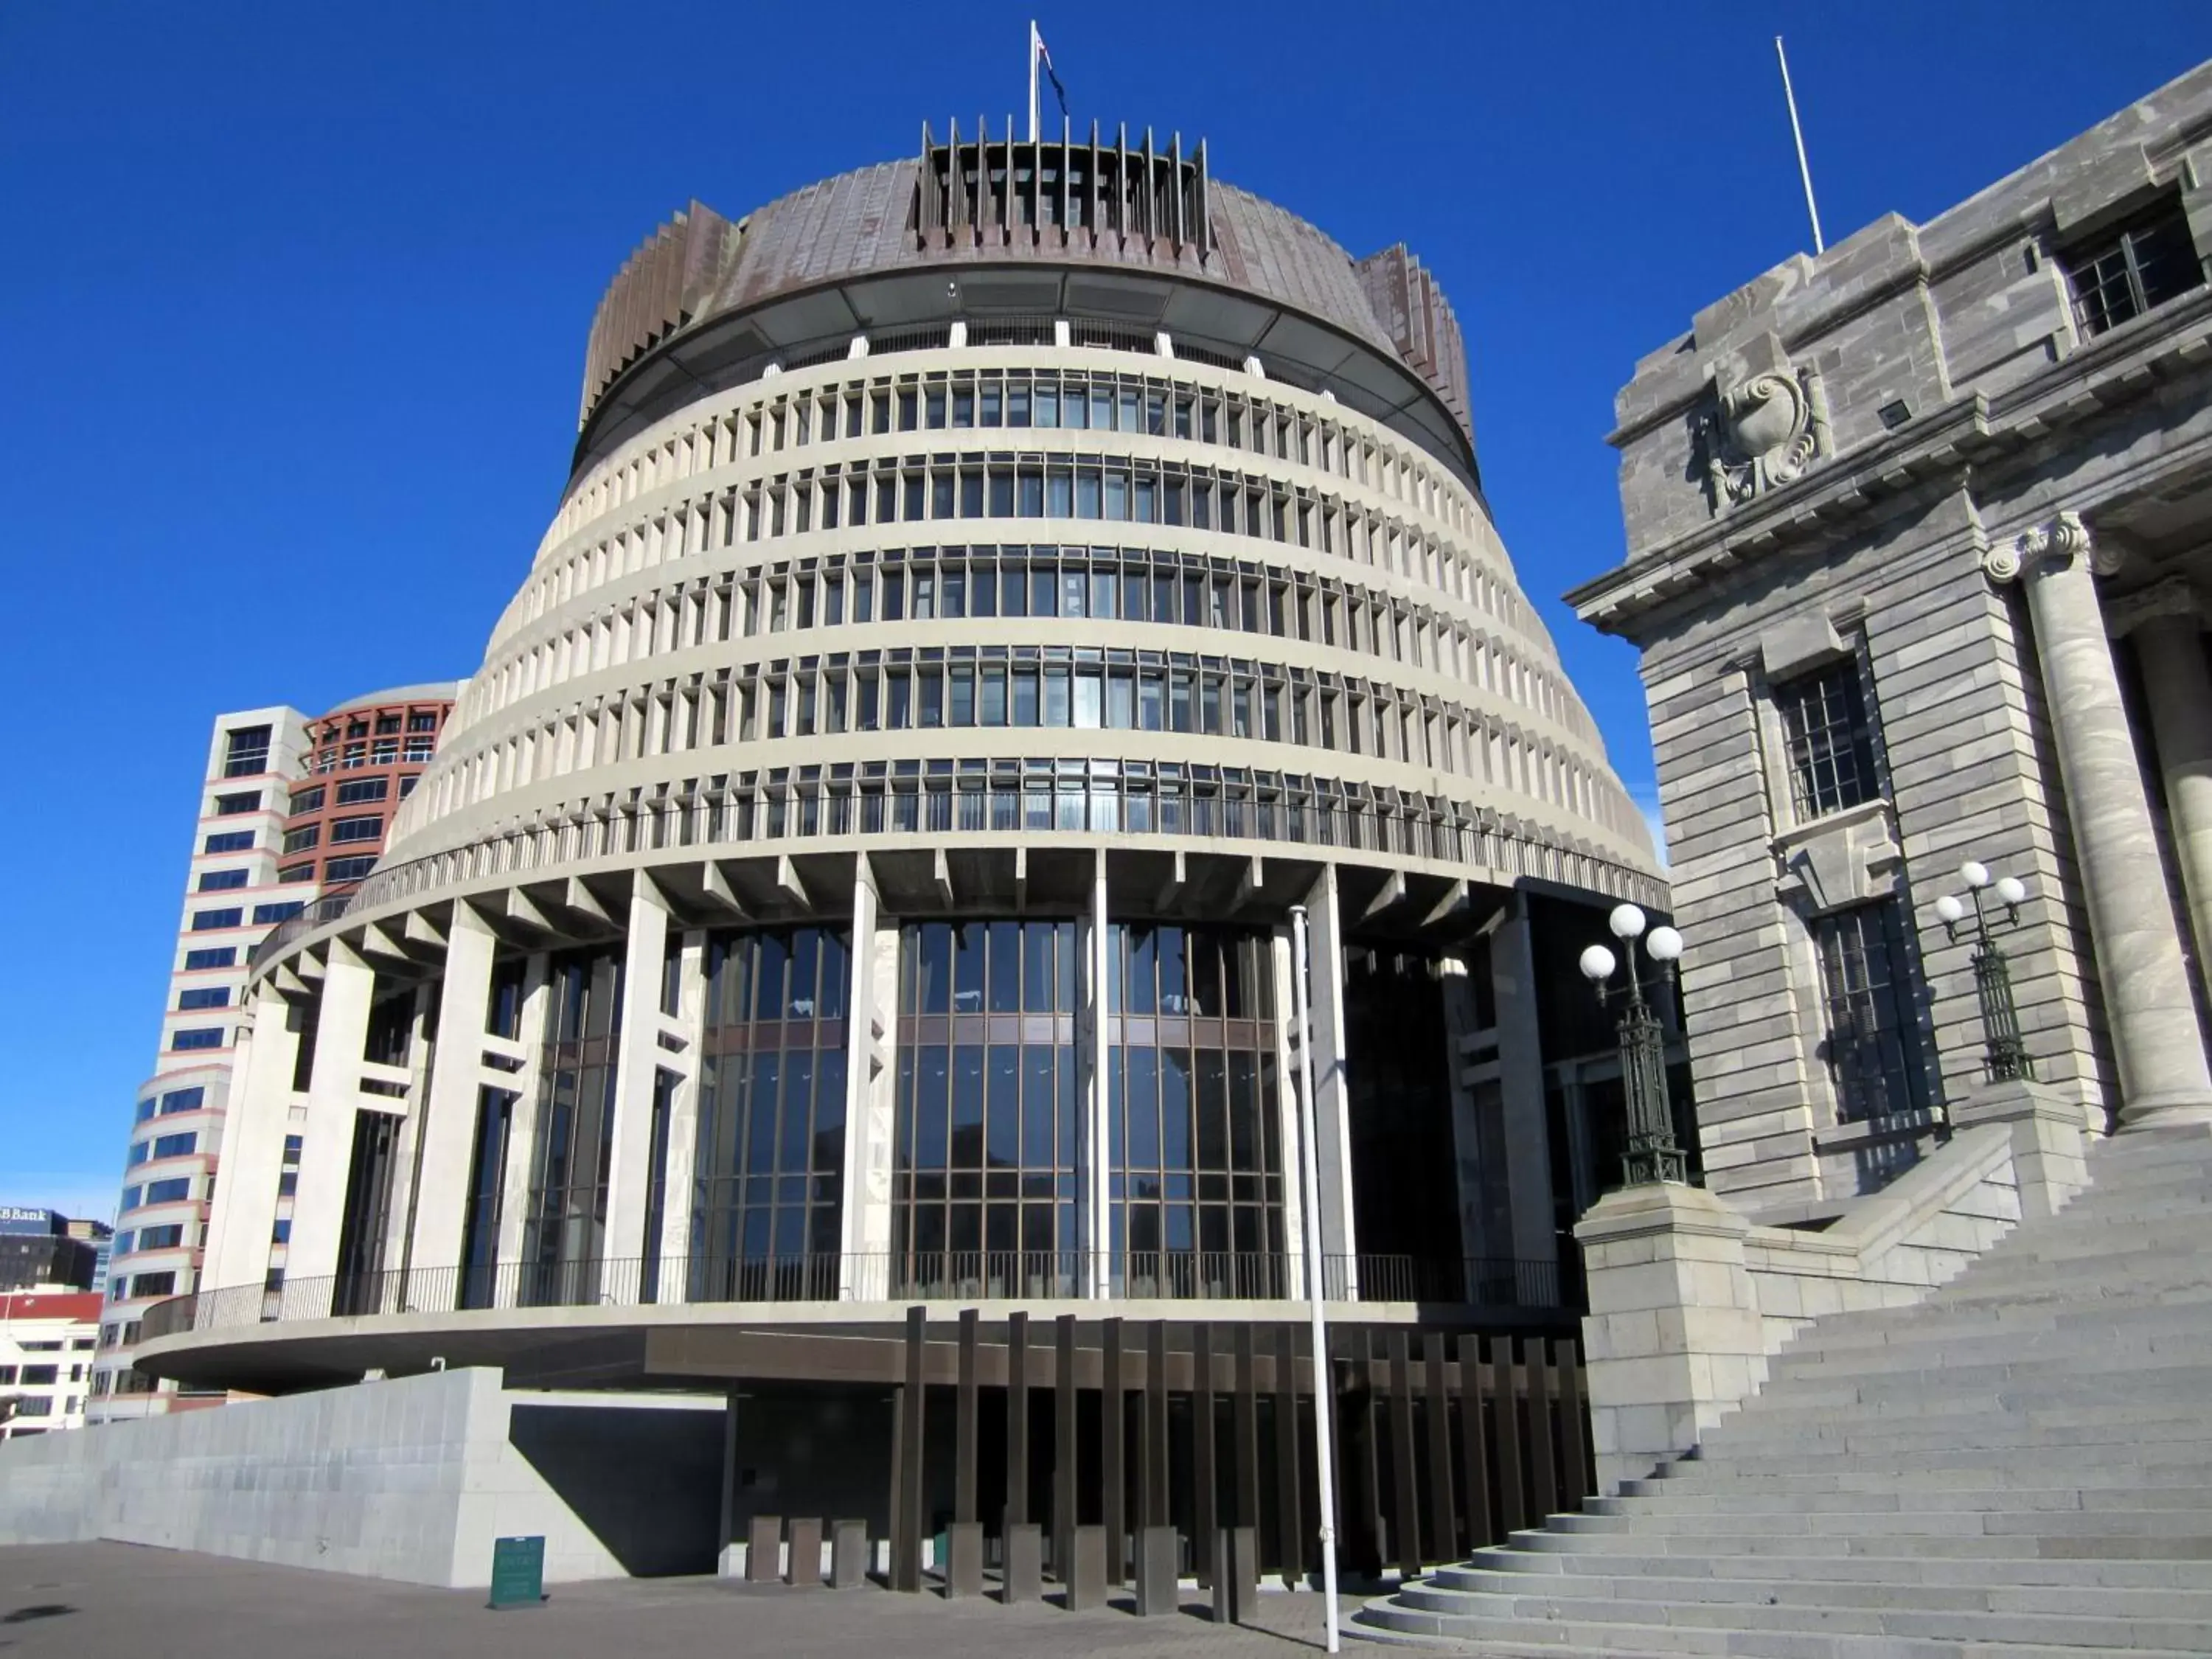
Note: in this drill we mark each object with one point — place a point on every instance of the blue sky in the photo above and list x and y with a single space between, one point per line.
295 302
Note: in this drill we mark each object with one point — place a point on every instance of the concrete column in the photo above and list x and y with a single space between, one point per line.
683 1117
257 1118
1331 1093
407 1179
1475 1223
333 1095
2156 1041
449 1109
1535 1230
522 1121
866 1210
1286 1115
2171 648
1096 1225
637 1049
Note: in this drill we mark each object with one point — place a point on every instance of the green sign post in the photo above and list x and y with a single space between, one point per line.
518 1572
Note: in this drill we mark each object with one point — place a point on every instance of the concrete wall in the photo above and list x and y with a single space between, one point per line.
410 1480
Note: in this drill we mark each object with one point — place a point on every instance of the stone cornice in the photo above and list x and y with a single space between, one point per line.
1928 456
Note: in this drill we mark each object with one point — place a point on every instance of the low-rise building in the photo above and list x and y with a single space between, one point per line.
46 1340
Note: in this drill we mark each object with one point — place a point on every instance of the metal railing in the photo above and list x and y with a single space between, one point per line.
888 1278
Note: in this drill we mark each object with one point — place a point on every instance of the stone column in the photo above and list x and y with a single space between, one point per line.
257 1118
326 1138
1521 1086
1097 1229
1332 1091
2166 625
637 1075
865 1216
2156 1041
449 1110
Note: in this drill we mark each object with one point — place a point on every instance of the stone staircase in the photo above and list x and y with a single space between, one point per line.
2018 1466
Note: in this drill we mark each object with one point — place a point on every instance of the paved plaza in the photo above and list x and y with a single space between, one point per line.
78 1600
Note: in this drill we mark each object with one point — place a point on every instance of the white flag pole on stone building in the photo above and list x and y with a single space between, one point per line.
1796 131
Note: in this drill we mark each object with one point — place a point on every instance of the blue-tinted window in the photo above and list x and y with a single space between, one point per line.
231 840
367 828
282 1233
123 1242
140 1152
204 921
280 912
205 996
287 1183
172 1191
222 881
228 806
203 1036
359 791
351 869
307 800
162 1284
182 1100
145 1110
175 1146
167 1238
220 956
131 1196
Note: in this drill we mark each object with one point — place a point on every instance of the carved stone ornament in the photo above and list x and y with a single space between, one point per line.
2173 597
2058 543
1764 432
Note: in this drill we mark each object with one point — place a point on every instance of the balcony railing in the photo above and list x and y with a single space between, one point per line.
1487 1282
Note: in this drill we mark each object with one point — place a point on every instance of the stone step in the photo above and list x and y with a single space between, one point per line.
2130 1367
1701 1477
1768 1541
2117 1425
1831 1458
2191 1522
1968 1572
2044 1397
1902 1635
2070 1345
1904 1616
1899 1499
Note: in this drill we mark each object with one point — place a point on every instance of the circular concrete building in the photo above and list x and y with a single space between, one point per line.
994 590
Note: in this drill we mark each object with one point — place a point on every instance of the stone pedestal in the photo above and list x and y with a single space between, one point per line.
764 1549
1023 1579
963 1558
2046 1140
1235 1574
1086 1579
848 1555
1672 1340
803 1567
1159 1552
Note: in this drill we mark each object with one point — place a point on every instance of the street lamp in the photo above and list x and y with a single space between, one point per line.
1652 1155
2006 1055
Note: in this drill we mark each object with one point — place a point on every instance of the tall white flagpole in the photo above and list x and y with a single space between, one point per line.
1795 131
1317 1289
1037 46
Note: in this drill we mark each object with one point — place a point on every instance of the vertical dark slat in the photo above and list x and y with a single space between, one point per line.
1018 1418
909 1565
1542 1463
1574 1423
1505 1419
1063 1448
897 1510
1405 1500
1112 1458
1443 1539
1156 1424
1204 1518
963 1424
1290 1529
1357 1494
1473 1443
1246 1424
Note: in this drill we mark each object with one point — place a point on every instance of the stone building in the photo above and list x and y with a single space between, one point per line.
1916 535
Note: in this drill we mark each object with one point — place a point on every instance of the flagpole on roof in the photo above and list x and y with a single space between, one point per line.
1036 47
1797 132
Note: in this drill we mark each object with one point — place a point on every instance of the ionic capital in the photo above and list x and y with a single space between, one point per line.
2055 545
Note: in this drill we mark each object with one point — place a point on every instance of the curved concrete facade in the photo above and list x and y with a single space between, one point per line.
863 867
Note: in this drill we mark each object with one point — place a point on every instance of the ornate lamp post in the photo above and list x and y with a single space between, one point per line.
1652 1155
2006 1055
